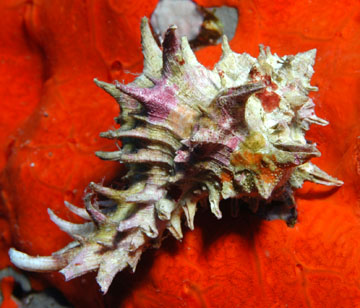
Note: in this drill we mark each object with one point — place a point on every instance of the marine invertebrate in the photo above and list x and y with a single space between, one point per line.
190 134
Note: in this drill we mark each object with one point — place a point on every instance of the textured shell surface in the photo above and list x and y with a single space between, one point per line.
191 135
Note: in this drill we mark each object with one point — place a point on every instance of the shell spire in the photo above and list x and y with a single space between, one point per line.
192 135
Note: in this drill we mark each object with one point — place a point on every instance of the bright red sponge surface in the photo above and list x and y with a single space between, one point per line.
51 115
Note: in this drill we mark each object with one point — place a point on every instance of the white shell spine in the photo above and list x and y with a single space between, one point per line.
191 134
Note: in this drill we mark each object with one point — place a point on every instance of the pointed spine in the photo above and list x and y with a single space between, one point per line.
74 230
143 156
170 47
109 88
226 50
112 263
190 210
174 225
36 264
214 199
77 211
188 54
109 155
151 51
145 133
97 216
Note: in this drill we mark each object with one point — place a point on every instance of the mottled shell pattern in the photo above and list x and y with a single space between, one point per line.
190 134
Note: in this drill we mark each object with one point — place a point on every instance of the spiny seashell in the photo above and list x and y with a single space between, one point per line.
191 134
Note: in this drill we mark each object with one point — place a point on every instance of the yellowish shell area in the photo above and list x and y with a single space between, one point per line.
190 134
